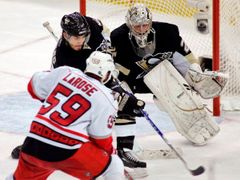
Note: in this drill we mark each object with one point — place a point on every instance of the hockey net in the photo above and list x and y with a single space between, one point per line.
112 14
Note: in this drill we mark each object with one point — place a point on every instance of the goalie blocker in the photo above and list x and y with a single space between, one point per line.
183 105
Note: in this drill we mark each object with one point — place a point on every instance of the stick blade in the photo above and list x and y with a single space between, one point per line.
198 171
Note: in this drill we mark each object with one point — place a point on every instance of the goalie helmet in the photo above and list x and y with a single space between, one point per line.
75 25
100 64
139 22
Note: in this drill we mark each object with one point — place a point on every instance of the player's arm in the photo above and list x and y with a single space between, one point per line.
105 44
58 58
99 27
117 53
36 88
102 121
54 63
100 36
204 62
98 33
41 83
182 47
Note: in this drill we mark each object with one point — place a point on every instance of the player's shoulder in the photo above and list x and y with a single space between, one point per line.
61 43
121 30
164 25
66 69
94 23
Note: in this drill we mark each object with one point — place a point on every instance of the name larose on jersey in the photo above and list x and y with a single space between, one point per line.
80 83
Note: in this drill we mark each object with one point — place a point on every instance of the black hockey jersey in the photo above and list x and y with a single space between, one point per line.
167 40
65 55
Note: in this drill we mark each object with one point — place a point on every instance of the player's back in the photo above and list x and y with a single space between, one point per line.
76 106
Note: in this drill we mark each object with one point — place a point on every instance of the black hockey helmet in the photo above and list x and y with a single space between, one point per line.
75 24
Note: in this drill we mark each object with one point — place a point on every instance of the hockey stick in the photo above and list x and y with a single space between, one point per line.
50 30
194 172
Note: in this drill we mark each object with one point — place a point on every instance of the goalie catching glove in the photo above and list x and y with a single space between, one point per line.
208 84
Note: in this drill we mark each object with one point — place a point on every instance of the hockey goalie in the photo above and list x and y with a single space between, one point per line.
179 87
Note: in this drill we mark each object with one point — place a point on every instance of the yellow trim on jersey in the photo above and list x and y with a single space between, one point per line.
122 69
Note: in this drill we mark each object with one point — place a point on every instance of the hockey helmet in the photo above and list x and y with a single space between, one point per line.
100 64
139 21
75 24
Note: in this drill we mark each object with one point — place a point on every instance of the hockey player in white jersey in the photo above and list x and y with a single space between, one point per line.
72 130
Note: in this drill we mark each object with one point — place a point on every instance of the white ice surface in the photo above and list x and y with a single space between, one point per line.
27 47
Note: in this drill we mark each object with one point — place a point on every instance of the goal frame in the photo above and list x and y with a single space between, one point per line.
215 41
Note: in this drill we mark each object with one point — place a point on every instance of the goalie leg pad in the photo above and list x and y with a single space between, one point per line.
183 105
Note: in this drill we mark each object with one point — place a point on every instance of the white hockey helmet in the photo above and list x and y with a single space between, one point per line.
100 64
139 21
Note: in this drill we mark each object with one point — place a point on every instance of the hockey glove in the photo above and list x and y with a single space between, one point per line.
130 105
147 64
106 47
152 62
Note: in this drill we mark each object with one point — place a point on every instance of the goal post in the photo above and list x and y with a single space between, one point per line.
216 49
82 7
221 43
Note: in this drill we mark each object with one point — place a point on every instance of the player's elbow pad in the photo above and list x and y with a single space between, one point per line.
31 91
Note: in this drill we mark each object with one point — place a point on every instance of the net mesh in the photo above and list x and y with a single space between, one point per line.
112 13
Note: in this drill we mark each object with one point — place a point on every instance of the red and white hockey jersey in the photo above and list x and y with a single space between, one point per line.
76 108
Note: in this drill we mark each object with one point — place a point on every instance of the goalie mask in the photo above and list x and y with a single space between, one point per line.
101 65
141 35
76 25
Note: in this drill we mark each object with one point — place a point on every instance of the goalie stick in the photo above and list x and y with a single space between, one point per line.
194 172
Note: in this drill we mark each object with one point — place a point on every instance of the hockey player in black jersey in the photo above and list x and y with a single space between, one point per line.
140 45
81 35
